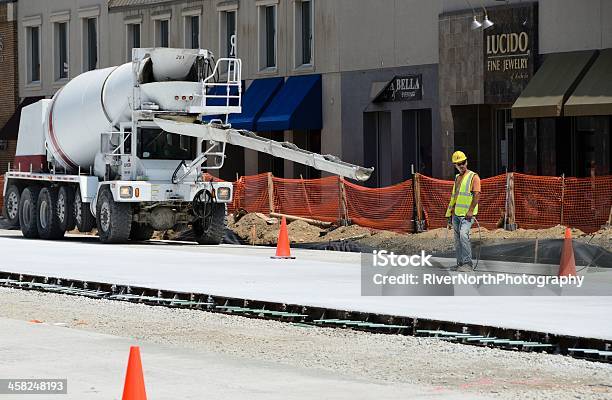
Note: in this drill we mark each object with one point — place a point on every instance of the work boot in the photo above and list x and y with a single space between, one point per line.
465 268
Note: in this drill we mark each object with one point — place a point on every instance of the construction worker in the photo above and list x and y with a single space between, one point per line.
462 209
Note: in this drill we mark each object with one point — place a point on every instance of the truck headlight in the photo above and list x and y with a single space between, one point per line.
125 192
223 193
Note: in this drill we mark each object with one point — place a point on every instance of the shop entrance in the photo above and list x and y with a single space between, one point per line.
416 142
377 147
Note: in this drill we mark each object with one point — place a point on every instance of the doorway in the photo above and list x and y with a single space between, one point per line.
377 147
416 142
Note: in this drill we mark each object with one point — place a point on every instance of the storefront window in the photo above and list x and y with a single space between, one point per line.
593 145
547 149
474 136
530 142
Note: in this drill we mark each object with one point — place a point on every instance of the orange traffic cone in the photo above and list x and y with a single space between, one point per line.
282 245
568 262
134 388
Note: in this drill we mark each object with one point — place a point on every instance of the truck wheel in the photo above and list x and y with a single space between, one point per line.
83 218
141 232
48 221
11 206
216 231
65 208
114 219
28 212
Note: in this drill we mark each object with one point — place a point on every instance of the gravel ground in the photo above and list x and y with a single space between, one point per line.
386 358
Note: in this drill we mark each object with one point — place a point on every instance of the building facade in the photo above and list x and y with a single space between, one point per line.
59 40
398 85
9 95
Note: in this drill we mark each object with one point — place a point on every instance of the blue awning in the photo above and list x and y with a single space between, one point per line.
255 100
297 106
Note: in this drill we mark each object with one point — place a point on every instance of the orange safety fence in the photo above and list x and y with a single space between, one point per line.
587 202
389 208
537 201
435 196
311 198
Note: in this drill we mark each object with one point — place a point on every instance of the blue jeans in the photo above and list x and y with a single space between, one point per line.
463 246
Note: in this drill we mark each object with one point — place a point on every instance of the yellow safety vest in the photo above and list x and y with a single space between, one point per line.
464 199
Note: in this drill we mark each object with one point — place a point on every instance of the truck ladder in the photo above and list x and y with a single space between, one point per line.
250 140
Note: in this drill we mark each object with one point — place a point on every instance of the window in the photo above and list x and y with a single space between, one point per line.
90 44
33 54
155 144
162 35
227 33
61 50
133 39
303 32
3 145
267 37
192 31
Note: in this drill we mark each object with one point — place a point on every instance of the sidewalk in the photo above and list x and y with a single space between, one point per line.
95 364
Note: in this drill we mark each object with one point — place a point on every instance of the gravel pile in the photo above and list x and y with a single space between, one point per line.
386 358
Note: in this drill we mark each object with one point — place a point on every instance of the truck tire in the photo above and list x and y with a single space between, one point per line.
141 232
28 212
65 208
216 231
11 206
48 221
83 218
114 219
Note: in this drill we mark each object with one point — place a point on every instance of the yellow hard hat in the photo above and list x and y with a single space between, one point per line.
458 157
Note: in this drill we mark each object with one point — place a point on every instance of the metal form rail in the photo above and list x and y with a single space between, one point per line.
305 316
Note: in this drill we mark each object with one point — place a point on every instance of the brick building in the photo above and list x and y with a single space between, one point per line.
9 90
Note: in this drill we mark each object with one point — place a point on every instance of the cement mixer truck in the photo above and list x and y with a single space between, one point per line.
124 149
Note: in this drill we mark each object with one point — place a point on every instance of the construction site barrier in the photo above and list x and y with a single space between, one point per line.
513 199
507 200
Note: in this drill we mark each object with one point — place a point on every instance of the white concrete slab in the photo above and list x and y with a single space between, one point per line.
94 365
245 272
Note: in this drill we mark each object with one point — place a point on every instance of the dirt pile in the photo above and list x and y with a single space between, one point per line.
431 241
254 229
259 229
555 232
347 232
602 238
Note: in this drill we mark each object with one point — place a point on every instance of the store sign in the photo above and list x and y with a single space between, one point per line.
510 50
402 88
